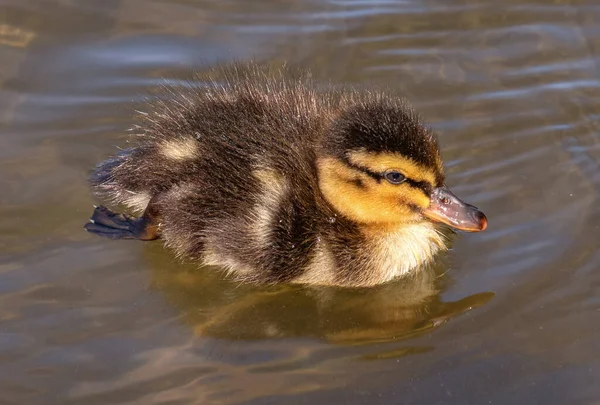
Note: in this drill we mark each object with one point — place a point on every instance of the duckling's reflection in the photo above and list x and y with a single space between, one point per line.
219 308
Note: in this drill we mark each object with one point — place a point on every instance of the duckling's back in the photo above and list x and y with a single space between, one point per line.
219 160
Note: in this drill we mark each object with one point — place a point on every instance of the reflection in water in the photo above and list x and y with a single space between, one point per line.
219 308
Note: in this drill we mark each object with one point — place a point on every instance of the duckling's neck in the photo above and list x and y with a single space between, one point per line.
396 249
362 255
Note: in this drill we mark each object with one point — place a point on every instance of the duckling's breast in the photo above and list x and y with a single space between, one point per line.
396 252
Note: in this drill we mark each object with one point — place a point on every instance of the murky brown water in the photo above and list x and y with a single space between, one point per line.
510 316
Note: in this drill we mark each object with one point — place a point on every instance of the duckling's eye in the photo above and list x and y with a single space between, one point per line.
394 177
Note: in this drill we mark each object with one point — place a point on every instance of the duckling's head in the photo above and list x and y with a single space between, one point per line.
378 165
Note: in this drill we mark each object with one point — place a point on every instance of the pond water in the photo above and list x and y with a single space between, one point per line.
509 316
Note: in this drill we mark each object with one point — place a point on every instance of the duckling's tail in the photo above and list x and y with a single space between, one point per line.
125 179
136 175
102 177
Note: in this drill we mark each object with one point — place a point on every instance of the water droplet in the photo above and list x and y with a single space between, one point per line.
332 220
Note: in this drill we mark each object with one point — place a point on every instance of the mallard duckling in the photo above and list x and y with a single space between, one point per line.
276 179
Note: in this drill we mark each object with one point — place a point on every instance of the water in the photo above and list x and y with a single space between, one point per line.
509 316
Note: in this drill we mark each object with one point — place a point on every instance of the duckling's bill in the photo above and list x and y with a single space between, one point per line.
447 208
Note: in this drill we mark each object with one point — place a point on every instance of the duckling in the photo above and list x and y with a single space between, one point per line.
274 178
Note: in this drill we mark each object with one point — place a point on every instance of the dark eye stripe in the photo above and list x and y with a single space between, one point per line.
374 175
358 183
421 185
414 207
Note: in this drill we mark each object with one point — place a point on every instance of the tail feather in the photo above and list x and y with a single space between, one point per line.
118 179
136 175
102 178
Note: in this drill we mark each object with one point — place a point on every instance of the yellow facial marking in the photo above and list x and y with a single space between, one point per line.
379 162
363 199
179 149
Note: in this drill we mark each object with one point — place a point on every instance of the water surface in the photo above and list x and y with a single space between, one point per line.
509 316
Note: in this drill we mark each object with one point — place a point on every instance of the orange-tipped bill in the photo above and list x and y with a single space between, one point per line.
447 208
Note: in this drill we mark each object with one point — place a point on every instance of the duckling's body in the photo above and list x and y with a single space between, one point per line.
278 181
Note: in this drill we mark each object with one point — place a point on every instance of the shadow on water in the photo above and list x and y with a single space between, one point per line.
216 307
